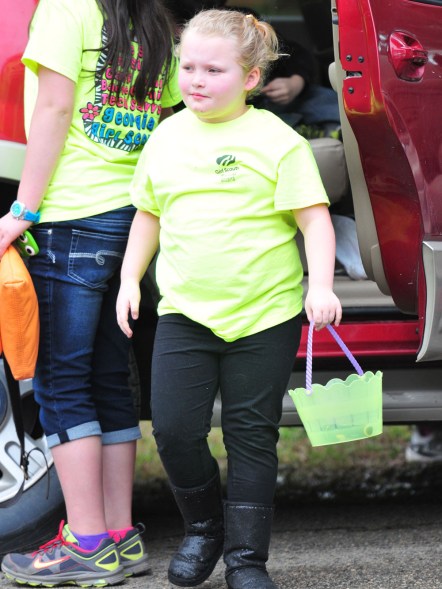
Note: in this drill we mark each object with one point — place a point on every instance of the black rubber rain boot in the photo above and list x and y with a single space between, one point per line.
246 546
202 512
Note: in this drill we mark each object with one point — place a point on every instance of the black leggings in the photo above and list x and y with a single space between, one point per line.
190 364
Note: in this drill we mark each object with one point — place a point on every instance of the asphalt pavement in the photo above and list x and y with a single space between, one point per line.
365 539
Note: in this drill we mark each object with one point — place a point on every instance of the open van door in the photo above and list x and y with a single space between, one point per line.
388 74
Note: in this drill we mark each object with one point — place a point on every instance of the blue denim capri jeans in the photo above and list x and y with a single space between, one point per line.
81 381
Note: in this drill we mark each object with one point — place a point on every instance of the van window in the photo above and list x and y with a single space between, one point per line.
270 8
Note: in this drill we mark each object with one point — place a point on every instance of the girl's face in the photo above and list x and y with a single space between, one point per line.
213 84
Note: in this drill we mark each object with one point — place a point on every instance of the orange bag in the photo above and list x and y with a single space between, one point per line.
19 321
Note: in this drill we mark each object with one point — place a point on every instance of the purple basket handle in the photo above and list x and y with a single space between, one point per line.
308 372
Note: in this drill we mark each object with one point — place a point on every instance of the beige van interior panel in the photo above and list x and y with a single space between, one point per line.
366 228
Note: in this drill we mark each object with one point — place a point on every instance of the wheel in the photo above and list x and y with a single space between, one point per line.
34 518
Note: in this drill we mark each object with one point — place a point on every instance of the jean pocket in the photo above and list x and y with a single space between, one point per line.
94 258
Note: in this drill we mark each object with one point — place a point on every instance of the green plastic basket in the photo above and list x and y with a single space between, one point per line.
342 410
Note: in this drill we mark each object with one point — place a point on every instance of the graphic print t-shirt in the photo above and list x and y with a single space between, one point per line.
106 136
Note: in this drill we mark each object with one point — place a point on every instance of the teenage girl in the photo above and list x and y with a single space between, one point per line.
223 188
98 75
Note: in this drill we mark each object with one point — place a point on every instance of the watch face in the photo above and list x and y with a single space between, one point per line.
16 209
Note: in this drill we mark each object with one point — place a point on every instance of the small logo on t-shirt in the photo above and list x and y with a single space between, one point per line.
225 160
227 168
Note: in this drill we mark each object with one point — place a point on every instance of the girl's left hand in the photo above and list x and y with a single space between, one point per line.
322 307
10 229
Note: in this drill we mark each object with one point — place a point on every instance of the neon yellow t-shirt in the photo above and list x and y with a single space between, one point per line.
224 194
105 139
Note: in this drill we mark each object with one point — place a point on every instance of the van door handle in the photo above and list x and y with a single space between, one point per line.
407 56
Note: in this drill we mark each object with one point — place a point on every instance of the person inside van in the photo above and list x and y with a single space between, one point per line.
291 91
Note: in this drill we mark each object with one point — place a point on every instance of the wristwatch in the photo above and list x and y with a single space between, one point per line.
21 213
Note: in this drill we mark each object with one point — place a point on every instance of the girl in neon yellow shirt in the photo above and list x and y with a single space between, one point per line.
222 188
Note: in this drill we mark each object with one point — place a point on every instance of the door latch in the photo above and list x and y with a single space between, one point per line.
407 56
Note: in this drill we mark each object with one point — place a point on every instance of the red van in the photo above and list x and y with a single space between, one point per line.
386 174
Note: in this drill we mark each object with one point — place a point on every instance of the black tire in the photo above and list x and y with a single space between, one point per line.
34 519
35 516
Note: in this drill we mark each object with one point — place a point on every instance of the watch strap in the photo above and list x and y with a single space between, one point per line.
30 216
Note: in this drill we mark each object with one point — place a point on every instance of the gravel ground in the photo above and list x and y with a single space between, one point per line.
350 484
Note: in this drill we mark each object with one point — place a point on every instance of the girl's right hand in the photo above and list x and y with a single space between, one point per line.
128 301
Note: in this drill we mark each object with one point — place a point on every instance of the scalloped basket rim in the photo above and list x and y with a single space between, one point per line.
337 383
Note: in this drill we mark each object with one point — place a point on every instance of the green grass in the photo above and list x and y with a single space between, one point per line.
295 450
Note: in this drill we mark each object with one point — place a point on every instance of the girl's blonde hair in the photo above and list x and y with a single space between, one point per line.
256 40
